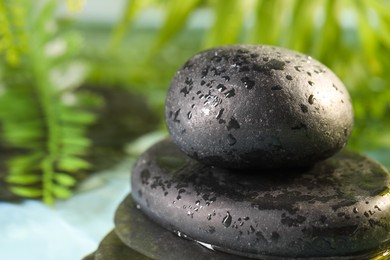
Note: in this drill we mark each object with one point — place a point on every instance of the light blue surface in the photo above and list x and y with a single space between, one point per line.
73 228
70 229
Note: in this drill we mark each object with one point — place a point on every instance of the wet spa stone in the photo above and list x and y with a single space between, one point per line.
112 248
142 235
253 106
339 207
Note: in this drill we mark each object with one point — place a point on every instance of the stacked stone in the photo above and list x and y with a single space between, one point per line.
253 168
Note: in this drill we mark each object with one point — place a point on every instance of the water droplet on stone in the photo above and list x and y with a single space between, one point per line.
298 68
230 93
231 139
233 124
227 220
220 112
249 84
311 99
244 68
221 88
304 108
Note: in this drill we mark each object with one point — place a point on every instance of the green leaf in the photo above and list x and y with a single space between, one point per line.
24 179
18 135
74 150
300 32
73 116
132 9
177 14
24 164
226 28
40 21
61 192
269 17
65 179
76 141
71 131
28 192
367 36
73 164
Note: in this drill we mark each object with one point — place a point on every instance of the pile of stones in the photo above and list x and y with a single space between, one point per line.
253 168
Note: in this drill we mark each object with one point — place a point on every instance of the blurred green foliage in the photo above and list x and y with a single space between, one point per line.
350 37
43 122
47 127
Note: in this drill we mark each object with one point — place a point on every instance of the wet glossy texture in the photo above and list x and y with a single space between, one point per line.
145 236
339 207
253 106
129 220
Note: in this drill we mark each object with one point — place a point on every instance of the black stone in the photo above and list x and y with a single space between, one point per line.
339 207
248 106
112 248
153 241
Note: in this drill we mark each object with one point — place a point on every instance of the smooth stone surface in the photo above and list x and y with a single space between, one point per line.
339 207
253 106
145 236
112 248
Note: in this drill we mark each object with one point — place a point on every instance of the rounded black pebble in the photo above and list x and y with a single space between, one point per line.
253 106
338 208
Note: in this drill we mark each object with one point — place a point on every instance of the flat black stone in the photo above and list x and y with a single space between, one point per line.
112 248
91 256
254 106
338 208
137 231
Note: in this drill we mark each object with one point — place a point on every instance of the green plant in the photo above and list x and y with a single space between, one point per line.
350 37
41 117
44 117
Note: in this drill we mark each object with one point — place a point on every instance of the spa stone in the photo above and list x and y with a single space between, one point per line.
140 234
112 248
254 106
339 207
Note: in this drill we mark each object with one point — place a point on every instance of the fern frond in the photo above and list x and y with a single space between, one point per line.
35 117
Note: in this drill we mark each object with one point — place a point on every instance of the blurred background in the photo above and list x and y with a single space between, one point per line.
81 79
82 88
